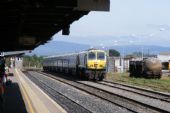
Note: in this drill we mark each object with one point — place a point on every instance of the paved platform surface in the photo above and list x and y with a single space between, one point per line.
23 96
13 101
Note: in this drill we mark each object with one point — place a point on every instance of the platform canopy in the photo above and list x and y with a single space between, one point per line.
25 24
13 53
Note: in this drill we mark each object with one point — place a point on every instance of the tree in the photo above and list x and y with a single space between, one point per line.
32 61
113 52
135 54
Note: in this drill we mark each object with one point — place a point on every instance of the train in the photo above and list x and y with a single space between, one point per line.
90 64
146 68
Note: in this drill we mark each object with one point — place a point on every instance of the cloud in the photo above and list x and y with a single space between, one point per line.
159 27
152 38
162 29
152 34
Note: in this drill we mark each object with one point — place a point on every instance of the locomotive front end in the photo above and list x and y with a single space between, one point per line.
96 63
96 60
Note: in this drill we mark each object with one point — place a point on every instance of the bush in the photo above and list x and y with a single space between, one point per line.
32 61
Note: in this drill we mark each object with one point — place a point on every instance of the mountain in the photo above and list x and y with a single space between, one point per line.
60 47
146 49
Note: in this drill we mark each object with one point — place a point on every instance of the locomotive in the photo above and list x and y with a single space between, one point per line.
147 68
90 64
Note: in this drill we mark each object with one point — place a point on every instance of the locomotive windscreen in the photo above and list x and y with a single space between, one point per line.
96 55
100 55
92 56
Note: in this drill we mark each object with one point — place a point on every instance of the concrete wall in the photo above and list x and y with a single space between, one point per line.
164 58
118 64
111 64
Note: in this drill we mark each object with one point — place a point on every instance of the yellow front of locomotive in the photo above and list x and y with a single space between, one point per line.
96 60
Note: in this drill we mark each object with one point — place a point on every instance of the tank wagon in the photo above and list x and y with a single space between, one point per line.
90 64
147 68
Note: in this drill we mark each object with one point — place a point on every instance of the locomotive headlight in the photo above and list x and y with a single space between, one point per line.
101 65
95 65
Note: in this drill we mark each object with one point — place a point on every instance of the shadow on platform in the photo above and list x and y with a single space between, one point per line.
13 101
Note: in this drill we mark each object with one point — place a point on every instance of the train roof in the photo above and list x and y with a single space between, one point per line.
98 50
76 53
61 55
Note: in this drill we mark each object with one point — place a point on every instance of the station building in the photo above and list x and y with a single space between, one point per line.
165 59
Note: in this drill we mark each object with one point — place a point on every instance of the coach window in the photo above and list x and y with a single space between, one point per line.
91 56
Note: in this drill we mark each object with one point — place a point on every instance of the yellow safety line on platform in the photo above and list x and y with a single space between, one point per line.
30 107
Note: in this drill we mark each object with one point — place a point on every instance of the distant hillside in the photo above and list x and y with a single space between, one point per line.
59 47
136 48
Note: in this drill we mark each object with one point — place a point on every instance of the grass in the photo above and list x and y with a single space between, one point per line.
162 84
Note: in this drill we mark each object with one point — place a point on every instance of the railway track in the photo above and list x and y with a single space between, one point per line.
141 91
122 101
57 86
59 97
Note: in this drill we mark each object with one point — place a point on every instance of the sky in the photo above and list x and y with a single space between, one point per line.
129 22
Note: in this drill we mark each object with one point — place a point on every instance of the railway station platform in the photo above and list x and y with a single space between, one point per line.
23 96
